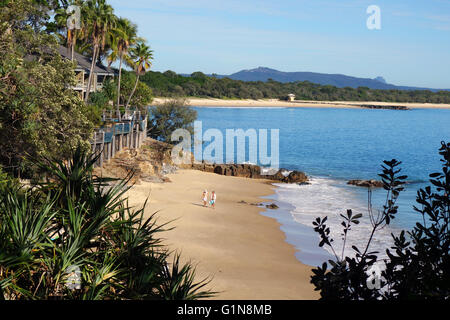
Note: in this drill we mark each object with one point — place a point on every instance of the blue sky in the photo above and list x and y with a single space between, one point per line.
212 36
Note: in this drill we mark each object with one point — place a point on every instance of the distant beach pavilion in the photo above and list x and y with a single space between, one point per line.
291 97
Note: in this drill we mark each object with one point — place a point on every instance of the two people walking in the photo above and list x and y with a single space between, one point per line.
212 201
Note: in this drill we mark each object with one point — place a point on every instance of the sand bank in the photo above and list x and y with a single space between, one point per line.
244 251
299 104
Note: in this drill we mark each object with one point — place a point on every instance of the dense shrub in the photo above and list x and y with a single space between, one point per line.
417 265
39 114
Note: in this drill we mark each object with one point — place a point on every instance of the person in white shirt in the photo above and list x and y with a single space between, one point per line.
205 197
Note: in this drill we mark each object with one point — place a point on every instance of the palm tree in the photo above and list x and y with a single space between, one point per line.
72 35
99 19
123 36
142 56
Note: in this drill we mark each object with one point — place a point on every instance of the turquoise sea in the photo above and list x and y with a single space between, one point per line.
333 146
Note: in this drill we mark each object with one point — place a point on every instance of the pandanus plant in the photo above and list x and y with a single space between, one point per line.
77 226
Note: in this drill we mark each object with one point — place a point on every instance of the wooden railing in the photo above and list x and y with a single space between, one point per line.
129 132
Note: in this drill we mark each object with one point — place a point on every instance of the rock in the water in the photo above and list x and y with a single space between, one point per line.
272 206
296 177
366 183
291 177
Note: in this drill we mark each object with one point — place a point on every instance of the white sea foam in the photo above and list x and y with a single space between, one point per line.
328 197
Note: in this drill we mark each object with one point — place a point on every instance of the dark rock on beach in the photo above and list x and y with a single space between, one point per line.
272 206
251 204
203 167
296 177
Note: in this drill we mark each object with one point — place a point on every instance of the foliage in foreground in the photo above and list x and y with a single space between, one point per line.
418 264
75 237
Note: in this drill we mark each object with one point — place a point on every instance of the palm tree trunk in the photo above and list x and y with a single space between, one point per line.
69 40
118 85
74 40
91 72
134 89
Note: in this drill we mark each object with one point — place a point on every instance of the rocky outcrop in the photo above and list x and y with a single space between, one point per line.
153 161
238 170
150 163
366 183
252 171
271 206
296 177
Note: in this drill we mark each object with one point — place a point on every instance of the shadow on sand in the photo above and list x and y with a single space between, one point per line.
199 205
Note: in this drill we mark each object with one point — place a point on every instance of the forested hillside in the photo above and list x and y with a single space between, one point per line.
170 84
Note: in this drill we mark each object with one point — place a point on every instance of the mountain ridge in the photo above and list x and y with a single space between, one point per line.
337 80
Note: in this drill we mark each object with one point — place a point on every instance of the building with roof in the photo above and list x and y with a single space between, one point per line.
82 70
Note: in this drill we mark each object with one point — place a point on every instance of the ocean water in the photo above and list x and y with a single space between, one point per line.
333 146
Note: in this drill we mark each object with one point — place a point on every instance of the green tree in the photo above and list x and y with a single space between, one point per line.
142 96
123 36
99 20
168 117
142 57
39 114
70 36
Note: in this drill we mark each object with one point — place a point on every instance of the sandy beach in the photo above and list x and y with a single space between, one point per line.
244 251
207 102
